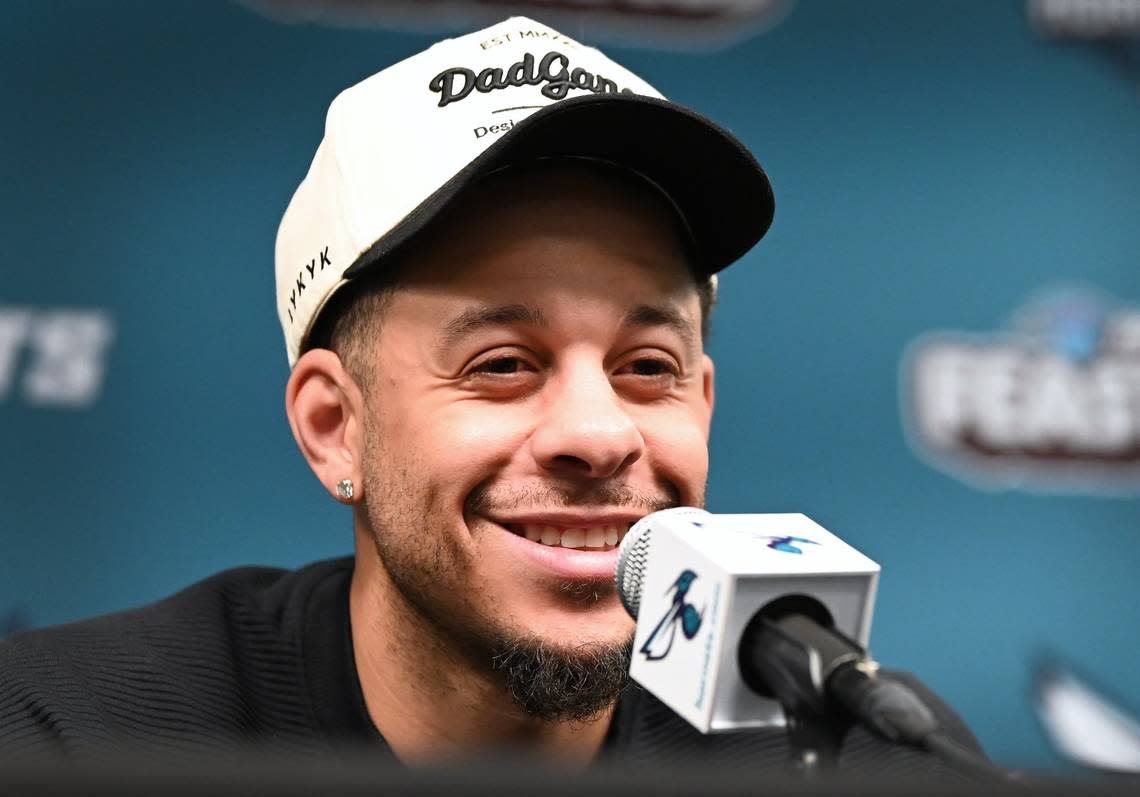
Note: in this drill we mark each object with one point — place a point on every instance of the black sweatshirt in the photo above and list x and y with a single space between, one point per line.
261 657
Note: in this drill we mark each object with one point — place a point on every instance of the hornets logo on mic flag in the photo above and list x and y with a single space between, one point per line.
789 544
660 642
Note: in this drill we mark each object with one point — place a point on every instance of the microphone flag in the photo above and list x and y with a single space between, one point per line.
703 577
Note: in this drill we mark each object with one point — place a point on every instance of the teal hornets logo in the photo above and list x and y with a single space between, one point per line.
788 544
679 614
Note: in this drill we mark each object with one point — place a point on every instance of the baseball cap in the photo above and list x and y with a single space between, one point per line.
402 144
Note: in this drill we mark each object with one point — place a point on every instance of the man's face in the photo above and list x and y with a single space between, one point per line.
538 374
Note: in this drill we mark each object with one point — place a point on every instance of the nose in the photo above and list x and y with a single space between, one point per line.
585 431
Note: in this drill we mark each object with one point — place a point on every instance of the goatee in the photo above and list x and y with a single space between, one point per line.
553 684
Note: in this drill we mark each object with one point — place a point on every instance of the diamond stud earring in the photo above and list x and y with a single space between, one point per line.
344 489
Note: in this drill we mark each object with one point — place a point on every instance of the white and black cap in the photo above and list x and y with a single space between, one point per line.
399 146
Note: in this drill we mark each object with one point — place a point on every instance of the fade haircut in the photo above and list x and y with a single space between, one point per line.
352 317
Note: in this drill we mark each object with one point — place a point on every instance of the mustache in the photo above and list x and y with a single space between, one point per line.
489 498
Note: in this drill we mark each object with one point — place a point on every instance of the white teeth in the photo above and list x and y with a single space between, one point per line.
573 538
595 537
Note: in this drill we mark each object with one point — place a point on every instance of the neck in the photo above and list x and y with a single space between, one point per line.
428 701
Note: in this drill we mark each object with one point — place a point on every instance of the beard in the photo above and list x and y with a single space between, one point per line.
553 684
546 680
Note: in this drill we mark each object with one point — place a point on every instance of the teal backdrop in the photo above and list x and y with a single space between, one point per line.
934 165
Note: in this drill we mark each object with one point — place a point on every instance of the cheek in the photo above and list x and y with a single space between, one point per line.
463 444
484 428
677 444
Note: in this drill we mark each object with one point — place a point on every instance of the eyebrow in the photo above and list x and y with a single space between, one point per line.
474 319
645 315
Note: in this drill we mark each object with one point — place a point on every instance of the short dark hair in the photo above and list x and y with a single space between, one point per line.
352 317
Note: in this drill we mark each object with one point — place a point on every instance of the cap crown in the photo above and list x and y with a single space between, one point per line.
396 138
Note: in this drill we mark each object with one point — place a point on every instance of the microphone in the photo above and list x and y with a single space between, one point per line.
712 593
762 620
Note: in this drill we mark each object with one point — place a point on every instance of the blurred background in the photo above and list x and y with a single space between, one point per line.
935 352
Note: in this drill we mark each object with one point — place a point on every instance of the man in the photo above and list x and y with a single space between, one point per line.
494 284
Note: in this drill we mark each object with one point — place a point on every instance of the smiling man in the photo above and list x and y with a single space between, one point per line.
495 317
494 312
532 385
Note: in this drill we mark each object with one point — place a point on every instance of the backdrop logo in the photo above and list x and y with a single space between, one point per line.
53 357
1052 403
680 613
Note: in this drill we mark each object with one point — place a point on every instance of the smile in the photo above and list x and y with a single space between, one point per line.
596 538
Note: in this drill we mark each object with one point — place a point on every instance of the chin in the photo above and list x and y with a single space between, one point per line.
581 622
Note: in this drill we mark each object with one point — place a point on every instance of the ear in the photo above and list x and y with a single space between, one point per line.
709 388
325 407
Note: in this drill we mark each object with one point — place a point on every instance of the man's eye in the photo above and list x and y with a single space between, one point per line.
501 365
652 367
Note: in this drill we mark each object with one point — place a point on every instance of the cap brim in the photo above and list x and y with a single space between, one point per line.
714 180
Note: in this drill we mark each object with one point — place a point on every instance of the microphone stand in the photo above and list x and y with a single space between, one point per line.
777 663
826 682
815 742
